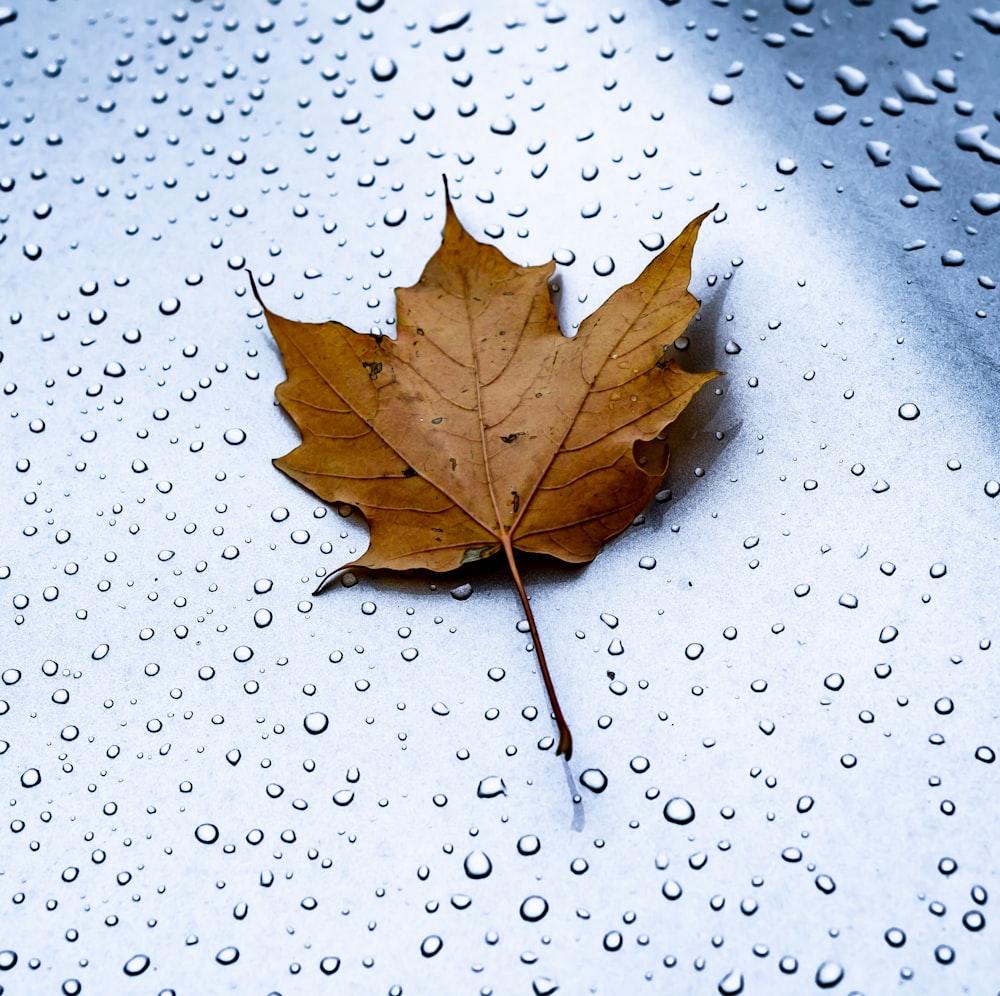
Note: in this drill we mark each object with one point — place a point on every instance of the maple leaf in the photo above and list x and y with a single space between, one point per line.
481 428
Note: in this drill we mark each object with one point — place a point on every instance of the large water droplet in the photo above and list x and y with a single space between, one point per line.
829 974
477 864
678 810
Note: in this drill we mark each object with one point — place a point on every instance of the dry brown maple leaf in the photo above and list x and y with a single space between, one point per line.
482 428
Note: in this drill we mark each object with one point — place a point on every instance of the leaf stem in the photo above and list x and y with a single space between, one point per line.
565 745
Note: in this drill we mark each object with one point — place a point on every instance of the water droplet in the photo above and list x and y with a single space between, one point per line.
829 974
825 884
136 965
477 864
316 722
786 166
613 940
491 786
721 93
431 945
908 31
228 955
895 937
672 889
234 436
914 90
952 257
647 563
986 203
503 125
830 114
879 153
678 810
594 779
534 908
693 651
528 844
604 266
170 306
206 833
922 179
731 984
384 68
853 81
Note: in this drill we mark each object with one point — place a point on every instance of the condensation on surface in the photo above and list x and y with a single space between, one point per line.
780 678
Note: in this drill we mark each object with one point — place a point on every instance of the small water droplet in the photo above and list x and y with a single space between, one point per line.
721 93
431 945
594 779
830 114
534 908
731 984
829 974
206 833
853 81
384 68
490 787
136 965
528 844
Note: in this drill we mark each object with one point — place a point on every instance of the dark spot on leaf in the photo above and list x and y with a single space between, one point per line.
513 436
409 472
374 368
516 501
438 420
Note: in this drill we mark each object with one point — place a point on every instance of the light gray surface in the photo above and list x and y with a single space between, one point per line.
171 148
